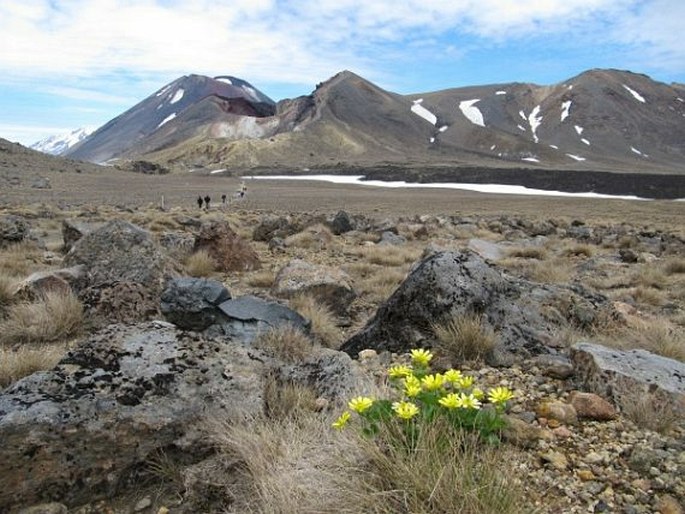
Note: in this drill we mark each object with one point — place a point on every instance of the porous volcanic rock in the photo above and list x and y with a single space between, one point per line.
329 285
271 226
192 303
524 315
73 230
228 249
13 229
72 434
41 282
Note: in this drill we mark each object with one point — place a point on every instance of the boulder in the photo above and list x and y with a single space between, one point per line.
13 229
391 239
74 434
228 249
592 406
177 244
274 226
41 282
192 303
246 317
329 285
73 230
524 315
487 249
341 223
623 376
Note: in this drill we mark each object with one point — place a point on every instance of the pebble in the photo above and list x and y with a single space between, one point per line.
142 504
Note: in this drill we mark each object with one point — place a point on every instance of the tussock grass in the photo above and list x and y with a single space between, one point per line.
674 265
315 237
579 250
388 255
464 337
642 410
650 276
286 343
54 317
649 296
21 259
324 326
7 285
382 284
262 278
446 472
557 271
25 360
289 400
528 252
200 264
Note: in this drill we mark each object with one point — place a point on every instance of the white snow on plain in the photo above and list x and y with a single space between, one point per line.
635 150
554 146
565 108
585 141
521 127
225 80
471 112
432 140
576 157
530 159
500 92
535 121
420 110
579 130
480 188
637 95
163 90
493 147
443 128
177 96
214 172
523 115
168 118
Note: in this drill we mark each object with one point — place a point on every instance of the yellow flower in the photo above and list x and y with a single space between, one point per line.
412 390
399 371
342 421
469 401
360 404
450 401
405 410
465 382
478 393
500 395
432 382
452 376
412 381
421 357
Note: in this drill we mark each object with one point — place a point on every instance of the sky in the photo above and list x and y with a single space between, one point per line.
66 64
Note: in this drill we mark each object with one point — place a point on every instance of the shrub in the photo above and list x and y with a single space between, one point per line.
200 264
286 343
55 317
642 410
464 337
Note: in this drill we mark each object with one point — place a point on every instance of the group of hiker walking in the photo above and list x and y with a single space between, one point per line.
240 193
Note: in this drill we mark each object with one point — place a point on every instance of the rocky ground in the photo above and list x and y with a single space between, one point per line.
581 271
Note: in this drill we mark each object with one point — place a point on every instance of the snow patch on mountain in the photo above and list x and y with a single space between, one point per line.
523 115
530 159
576 157
521 128
534 120
585 141
635 94
579 129
680 99
443 128
420 110
177 96
225 80
58 144
168 118
473 114
163 90
554 146
565 109
500 92
641 154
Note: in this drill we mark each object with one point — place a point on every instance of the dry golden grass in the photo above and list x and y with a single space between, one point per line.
200 264
7 285
23 361
657 335
650 276
646 413
324 325
315 237
263 278
649 296
579 250
556 271
381 284
54 317
283 401
286 343
388 255
21 259
674 265
528 252
464 338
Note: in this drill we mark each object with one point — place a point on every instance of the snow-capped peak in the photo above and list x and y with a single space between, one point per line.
58 144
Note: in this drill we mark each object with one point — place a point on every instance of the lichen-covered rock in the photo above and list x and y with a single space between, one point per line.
624 376
72 434
275 226
228 249
73 230
40 283
13 229
193 303
329 285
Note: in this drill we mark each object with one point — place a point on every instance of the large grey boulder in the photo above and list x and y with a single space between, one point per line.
329 285
74 434
125 272
40 283
625 376
13 229
73 230
272 226
525 316
246 317
228 249
192 303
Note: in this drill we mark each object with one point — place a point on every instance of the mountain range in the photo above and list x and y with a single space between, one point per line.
600 120
59 144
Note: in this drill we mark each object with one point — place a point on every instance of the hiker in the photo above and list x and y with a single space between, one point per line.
242 190
223 198
207 200
199 201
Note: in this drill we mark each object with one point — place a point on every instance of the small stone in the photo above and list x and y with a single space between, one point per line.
163 510
560 411
367 354
553 423
593 458
562 432
142 504
642 484
557 459
667 504
45 508
592 406
586 475
601 506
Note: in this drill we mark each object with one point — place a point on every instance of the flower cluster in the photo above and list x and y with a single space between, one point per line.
425 396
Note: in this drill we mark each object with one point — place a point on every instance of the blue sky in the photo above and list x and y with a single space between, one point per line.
65 64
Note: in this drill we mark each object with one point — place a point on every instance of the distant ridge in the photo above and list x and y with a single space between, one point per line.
60 143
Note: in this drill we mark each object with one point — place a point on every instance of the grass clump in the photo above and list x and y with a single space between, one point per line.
286 343
388 255
674 265
323 321
56 316
25 360
555 271
262 278
645 412
200 264
579 250
528 252
464 337
287 400
7 285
